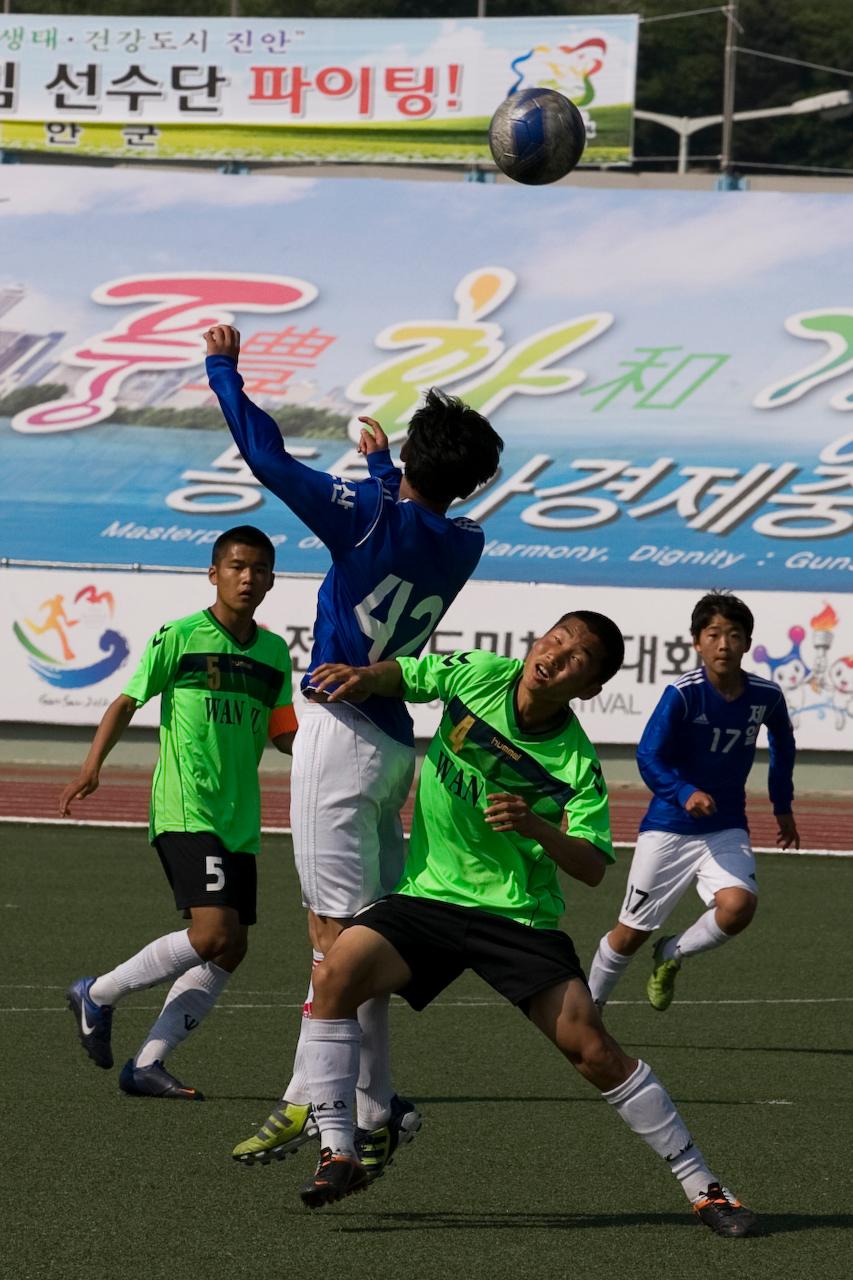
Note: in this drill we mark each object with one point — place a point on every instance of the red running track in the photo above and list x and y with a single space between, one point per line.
31 793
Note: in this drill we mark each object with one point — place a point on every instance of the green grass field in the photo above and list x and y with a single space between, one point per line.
520 1170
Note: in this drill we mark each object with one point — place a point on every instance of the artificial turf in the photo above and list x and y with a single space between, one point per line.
520 1170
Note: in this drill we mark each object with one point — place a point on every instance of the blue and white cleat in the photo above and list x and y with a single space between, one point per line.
154 1082
94 1022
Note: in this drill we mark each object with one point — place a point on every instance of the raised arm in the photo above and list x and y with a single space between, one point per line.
338 511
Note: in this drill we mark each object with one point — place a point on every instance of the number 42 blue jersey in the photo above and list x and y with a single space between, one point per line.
396 567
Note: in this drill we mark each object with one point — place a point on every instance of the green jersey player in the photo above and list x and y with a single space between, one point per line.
225 686
508 767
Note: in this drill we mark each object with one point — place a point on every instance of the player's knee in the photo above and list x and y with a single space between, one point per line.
215 940
601 1061
625 941
333 986
734 914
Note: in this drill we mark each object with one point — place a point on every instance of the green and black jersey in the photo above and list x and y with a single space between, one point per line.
216 700
454 856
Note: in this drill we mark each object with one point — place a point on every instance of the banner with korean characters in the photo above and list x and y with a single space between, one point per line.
379 90
73 638
672 373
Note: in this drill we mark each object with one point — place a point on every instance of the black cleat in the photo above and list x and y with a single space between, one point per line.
154 1082
337 1176
723 1213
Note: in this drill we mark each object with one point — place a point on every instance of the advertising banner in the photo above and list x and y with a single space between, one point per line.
283 89
672 375
74 638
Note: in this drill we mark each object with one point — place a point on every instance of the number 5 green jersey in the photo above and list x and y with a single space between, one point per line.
216 700
454 856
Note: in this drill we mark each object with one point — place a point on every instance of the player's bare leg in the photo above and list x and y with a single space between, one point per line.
567 1015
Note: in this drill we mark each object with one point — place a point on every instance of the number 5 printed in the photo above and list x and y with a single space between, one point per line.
215 873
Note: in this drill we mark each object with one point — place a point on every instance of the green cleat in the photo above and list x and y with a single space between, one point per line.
284 1131
660 987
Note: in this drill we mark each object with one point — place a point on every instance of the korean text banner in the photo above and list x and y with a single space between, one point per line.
280 88
75 638
672 373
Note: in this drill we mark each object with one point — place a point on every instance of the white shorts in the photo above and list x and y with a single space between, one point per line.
348 783
665 864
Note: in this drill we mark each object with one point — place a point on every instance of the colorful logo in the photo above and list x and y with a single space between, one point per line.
565 67
62 656
825 687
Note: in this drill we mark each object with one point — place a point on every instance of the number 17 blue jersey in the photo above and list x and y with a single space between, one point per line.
697 740
396 566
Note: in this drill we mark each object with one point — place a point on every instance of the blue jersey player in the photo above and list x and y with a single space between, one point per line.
398 561
694 756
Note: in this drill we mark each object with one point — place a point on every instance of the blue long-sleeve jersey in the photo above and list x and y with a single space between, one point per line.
695 740
396 567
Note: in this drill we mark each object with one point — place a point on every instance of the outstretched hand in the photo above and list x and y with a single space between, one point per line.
372 439
223 340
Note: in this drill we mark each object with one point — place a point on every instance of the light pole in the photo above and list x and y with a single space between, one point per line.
837 103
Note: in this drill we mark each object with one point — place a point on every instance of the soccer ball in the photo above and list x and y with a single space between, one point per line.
536 136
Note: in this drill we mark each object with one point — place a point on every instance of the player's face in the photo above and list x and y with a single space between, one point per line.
242 577
721 645
564 663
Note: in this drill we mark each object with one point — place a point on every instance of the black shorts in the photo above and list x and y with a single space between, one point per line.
439 941
203 873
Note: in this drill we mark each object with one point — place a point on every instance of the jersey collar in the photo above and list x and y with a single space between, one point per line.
229 635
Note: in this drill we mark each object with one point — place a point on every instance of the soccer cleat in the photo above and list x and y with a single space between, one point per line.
335 1178
94 1022
405 1121
284 1131
723 1212
660 987
154 1082
376 1147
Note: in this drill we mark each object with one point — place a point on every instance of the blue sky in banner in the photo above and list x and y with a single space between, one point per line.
655 466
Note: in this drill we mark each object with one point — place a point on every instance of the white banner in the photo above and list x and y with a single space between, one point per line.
73 638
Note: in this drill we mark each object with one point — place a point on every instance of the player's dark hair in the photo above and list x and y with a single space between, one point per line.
728 607
606 631
450 449
247 536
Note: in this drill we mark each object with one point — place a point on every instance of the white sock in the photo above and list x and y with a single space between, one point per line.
373 1091
188 1003
647 1108
167 957
703 935
605 971
298 1091
331 1059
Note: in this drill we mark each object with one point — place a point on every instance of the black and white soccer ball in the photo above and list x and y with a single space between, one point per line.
537 136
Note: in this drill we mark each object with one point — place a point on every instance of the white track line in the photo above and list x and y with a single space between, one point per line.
286 831
453 1004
